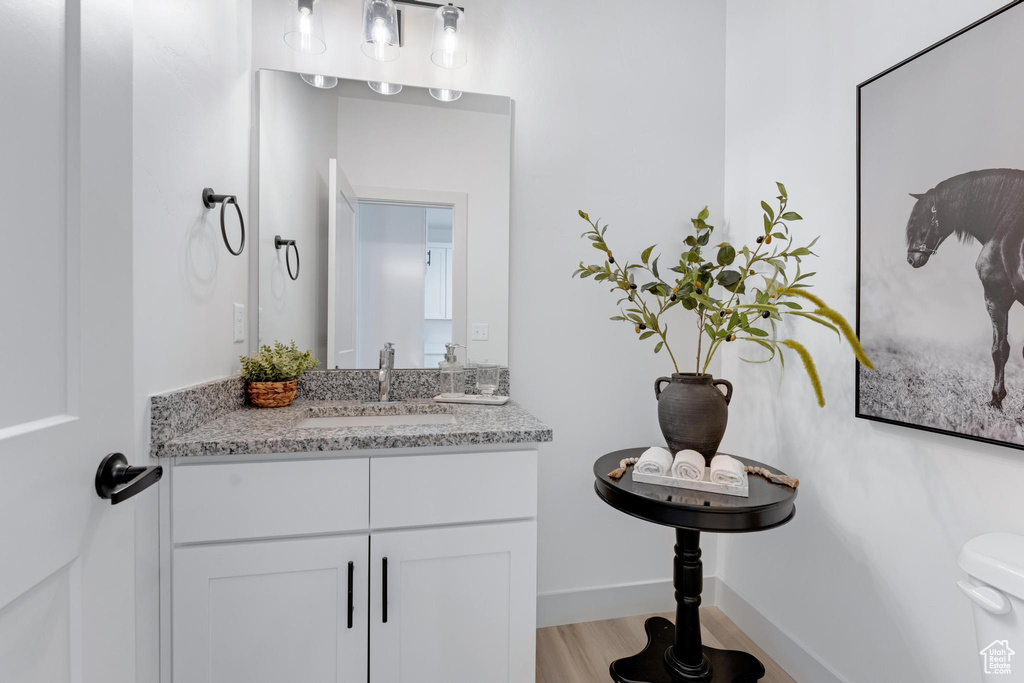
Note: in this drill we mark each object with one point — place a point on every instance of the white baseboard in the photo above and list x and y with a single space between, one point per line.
787 652
611 602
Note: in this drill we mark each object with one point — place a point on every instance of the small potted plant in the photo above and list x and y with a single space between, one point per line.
730 295
272 374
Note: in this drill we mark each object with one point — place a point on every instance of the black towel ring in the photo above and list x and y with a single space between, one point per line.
210 199
288 245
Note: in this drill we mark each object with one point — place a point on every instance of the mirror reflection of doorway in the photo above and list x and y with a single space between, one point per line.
404 282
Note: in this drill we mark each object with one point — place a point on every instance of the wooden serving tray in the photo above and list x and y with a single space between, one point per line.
704 484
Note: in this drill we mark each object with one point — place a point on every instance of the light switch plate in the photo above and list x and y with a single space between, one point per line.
479 331
238 320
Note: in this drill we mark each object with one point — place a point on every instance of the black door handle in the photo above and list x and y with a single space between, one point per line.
116 481
384 592
351 607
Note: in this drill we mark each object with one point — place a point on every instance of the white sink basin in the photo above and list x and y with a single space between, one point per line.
378 420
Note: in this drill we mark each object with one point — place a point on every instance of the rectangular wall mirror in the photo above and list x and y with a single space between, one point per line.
382 219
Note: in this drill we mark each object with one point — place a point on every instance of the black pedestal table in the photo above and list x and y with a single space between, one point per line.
674 653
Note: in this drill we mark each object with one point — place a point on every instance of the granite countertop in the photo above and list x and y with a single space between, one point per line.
250 430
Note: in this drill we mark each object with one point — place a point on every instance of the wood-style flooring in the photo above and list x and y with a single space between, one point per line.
581 653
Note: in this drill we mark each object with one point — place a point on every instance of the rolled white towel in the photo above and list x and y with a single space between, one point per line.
688 464
656 461
726 470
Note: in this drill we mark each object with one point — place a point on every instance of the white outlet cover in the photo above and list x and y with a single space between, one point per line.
238 322
479 331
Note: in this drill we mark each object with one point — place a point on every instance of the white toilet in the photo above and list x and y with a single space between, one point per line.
995 565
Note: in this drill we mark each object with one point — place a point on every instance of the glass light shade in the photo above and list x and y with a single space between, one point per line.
304 30
449 46
384 88
380 30
445 94
320 81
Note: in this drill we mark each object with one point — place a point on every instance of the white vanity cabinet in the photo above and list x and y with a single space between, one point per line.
393 566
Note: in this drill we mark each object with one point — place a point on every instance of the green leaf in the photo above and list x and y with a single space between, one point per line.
691 241
657 347
817 319
768 211
791 216
757 332
726 255
647 334
654 266
767 224
782 189
647 253
703 215
703 239
728 278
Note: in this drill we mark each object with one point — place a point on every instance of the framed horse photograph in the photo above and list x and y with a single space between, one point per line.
940 235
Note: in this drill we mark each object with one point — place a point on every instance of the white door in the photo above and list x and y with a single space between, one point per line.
67 590
436 285
272 611
392 260
454 604
341 271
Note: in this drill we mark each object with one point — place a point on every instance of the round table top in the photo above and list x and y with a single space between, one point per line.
768 505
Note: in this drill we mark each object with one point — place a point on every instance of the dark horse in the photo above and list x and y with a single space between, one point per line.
987 206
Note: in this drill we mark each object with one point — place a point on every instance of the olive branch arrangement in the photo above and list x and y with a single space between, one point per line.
726 304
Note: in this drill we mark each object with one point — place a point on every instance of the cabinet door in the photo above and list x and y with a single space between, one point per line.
454 604
271 612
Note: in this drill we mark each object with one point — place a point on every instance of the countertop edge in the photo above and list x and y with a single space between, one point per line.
317 445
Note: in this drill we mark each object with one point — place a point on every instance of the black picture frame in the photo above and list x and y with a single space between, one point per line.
857 369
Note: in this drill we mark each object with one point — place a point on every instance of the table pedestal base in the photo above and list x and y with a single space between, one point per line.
674 653
657 664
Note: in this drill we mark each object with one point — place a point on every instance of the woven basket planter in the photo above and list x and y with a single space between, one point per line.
273 394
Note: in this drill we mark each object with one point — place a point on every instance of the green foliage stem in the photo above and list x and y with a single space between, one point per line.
735 294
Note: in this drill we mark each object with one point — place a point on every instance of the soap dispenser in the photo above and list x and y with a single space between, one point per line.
453 379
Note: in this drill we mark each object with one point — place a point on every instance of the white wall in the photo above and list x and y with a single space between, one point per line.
387 144
629 130
298 136
864 577
192 103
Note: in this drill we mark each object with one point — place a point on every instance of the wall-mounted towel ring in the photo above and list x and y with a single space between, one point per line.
288 246
210 199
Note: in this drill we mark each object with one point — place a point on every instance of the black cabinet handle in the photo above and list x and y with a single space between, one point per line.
351 607
116 481
384 591
428 257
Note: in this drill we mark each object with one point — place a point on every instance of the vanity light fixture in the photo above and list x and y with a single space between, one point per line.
385 88
320 81
304 31
380 30
449 48
445 94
